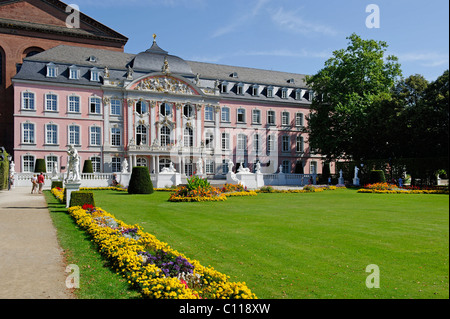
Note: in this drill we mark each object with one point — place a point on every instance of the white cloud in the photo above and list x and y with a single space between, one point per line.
292 21
426 59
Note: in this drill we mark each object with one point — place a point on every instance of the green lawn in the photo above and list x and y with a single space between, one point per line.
313 245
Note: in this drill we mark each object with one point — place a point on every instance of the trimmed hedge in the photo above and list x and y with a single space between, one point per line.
87 167
80 198
40 166
140 182
4 169
377 176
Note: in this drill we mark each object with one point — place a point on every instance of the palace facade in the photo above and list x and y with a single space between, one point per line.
154 108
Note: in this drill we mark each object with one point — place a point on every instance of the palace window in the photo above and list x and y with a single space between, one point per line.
116 164
188 137
95 75
271 117
28 164
51 102
165 136
95 137
270 91
224 166
299 147
50 162
241 142
164 162
241 115
256 143
270 143
286 166
284 92
285 143
224 87
141 107
51 134
209 113
188 110
74 104
141 135
74 72
28 132
52 70
209 138
28 101
165 109
313 167
209 166
298 94
225 141
96 164
256 117
116 105
240 88
74 135
285 118
225 114
255 90
141 162
298 119
115 136
95 105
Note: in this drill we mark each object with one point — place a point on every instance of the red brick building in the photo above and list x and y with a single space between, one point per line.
28 27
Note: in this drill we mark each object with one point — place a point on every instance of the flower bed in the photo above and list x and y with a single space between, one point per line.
385 188
152 266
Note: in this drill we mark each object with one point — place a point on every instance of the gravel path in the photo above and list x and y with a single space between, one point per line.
31 261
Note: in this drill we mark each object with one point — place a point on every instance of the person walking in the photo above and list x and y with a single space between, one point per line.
40 181
34 184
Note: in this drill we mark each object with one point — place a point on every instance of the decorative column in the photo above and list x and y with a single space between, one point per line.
199 125
106 126
130 103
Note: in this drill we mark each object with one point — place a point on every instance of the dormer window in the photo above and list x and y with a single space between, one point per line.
95 75
74 72
298 94
284 93
311 95
52 70
270 91
224 87
291 81
255 90
234 75
240 88
92 59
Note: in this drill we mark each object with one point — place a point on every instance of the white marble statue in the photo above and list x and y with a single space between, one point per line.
243 169
73 169
281 169
356 172
258 168
341 174
125 166
230 166
199 166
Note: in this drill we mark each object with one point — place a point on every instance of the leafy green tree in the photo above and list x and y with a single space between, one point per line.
348 90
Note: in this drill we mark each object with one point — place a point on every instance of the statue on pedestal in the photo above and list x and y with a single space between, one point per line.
73 169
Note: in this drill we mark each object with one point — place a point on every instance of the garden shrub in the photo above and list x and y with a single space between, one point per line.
57 184
87 167
4 169
81 198
377 176
140 182
40 166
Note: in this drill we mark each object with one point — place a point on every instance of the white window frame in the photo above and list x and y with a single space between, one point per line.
28 168
271 143
256 116
299 144
241 142
299 119
255 90
116 164
96 165
286 166
95 136
285 118
284 93
188 137
257 142
52 70
209 140
72 105
74 72
313 167
114 107
270 91
143 133
167 136
141 162
285 143
225 114
49 164
75 137
209 166
28 101
167 109
30 129
143 107
241 111
116 136
271 114
226 141
54 135
209 113
240 89
52 103
95 75
97 105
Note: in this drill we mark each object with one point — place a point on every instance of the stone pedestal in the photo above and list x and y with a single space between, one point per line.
356 181
71 187
341 181
168 179
124 179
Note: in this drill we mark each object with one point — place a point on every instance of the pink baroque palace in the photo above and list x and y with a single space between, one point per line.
157 110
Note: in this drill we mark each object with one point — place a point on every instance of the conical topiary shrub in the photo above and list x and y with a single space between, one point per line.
40 167
140 182
87 167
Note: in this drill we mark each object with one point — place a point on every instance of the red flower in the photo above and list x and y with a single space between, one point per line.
87 206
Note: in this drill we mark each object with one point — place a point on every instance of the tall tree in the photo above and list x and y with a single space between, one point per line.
353 82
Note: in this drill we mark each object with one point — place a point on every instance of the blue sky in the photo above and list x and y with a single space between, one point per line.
283 35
